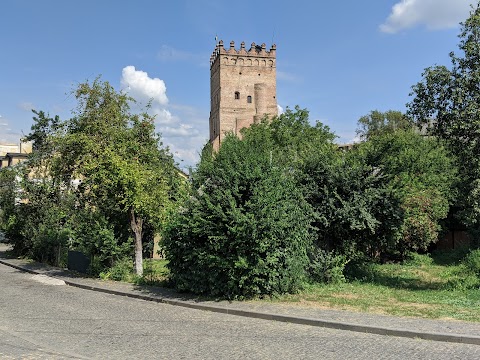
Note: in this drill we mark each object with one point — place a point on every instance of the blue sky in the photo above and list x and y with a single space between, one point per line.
339 59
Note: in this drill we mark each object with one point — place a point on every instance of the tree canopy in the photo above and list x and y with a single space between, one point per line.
107 166
377 123
447 102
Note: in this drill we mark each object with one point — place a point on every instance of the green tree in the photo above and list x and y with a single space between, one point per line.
447 102
378 122
421 174
119 160
356 214
9 193
245 231
36 221
42 131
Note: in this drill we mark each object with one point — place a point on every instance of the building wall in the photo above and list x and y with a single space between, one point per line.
242 88
22 147
8 148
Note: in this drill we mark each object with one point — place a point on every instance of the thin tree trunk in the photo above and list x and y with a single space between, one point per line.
136 224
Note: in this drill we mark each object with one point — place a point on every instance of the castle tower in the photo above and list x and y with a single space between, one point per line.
242 88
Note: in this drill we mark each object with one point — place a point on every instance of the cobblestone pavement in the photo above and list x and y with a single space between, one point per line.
44 321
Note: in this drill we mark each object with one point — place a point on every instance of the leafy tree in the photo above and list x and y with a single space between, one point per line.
245 231
378 122
118 158
293 139
447 102
421 174
42 130
35 218
9 192
356 214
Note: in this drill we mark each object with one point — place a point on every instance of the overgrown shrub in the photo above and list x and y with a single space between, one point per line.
422 174
415 259
246 229
326 267
472 262
356 214
122 270
95 236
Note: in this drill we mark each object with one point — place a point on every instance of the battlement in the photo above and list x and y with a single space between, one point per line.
257 51
242 88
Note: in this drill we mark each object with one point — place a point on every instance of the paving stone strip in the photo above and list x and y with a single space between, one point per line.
437 330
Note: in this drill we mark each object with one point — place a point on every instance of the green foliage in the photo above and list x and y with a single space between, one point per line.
420 174
8 191
130 178
415 259
326 267
36 226
43 130
378 123
447 102
384 197
96 237
356 213
472 262
121 270
245 230
155 272
92 183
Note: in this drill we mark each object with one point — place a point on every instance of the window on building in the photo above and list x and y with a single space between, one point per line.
249 99
237 95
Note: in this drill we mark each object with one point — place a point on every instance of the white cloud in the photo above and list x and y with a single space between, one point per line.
143 88
280 109
163 116
183 128
433 14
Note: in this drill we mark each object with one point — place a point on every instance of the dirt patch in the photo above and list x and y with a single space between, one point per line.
347 296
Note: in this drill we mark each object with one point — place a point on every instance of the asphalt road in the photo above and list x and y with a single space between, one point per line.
42 320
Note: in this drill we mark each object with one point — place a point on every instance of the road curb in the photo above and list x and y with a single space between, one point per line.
443 337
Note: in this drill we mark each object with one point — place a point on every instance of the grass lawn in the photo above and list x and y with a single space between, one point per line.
437 286
427 286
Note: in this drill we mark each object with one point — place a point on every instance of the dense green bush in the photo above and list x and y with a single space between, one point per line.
326 267
121 270
472 262
421 174
96 236
246 229
357 215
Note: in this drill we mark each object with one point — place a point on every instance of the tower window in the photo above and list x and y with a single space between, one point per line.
249 99
237 95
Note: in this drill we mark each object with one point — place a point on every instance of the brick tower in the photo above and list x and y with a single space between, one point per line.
242 88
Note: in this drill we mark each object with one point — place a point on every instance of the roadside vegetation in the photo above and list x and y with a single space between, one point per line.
442 285
280 213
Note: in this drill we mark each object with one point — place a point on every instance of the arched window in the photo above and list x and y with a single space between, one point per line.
249 99
237 95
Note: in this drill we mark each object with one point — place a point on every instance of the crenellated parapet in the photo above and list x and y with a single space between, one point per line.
232 56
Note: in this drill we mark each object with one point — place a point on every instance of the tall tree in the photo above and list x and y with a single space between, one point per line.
447 102
119 160
421 173
377 123
246 229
